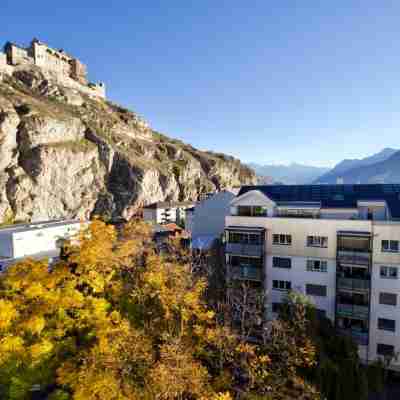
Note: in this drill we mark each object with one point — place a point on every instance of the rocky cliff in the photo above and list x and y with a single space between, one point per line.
65 154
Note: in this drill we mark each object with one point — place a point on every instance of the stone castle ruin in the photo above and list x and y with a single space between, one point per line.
65 69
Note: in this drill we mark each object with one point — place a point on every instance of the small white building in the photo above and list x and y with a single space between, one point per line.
37 240
164 212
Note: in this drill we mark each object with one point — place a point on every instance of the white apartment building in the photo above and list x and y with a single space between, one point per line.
164 212
338 244
37 240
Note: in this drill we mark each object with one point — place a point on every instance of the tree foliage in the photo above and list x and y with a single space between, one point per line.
114 320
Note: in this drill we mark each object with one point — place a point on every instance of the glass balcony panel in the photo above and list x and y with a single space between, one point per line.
353 257
244 249
351 310
247 272
353 284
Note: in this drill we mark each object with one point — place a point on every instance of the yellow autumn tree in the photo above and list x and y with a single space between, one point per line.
115 320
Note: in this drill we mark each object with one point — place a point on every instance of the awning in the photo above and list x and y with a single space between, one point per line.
244 228
354 233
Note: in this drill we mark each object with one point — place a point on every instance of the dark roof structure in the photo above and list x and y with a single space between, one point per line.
170 204
332 196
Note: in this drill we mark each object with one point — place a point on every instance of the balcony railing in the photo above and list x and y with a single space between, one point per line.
353 257
246 272
245 249
359 337
353 284
352 310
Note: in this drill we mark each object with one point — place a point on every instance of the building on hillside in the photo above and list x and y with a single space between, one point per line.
206 221
164 212
338 244
59 62
36 240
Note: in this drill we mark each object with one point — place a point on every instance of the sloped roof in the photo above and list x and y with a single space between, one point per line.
332 196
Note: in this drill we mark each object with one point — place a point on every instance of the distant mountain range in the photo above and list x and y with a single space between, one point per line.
287 174
373 169
382 167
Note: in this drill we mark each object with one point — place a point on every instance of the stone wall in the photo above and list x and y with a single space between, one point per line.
51 59
18 55
4 67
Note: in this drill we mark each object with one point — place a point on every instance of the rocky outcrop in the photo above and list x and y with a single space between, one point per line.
66 154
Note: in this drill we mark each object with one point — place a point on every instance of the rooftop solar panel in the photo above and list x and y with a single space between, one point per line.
333 195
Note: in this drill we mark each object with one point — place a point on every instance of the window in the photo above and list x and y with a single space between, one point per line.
384 349
281 285
390 246
388 272
317 265
386 324
317 241
259 211
316 290
252 211
282 239
281 262
389 299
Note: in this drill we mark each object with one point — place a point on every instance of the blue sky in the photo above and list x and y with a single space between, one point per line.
266 81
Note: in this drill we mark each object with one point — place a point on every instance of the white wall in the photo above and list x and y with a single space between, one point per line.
299 277
209 214
39 240
378 285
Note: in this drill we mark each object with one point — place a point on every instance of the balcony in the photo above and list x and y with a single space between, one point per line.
246 272
352 311
245 249
353 257
358 336
353 284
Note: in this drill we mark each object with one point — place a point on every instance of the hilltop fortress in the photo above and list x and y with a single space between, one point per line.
63 68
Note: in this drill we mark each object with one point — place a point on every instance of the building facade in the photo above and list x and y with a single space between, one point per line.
164 212
338 244
62 65
37 240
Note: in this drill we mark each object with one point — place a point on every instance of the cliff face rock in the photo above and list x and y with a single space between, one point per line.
65 154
